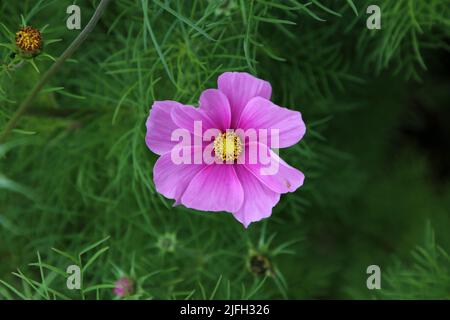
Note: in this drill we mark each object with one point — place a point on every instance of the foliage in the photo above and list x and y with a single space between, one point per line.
76 170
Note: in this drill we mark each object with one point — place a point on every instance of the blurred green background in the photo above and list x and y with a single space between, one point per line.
76 177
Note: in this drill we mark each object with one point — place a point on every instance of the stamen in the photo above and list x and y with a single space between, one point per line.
227 146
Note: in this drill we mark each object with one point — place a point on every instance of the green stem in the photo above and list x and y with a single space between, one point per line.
52 70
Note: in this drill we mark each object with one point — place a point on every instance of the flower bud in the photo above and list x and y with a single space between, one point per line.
29 41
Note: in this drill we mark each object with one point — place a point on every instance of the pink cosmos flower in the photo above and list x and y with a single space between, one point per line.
237 186
123 287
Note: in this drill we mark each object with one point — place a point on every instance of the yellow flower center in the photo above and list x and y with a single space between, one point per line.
29 39
227 146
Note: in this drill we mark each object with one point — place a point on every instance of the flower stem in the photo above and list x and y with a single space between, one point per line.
52 70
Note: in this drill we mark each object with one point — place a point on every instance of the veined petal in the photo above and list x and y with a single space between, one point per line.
215 104
258 199
171 179
240 88
215 188
260 113
272 171
185 116
160 126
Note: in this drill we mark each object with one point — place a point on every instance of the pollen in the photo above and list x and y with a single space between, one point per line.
227 146
29 40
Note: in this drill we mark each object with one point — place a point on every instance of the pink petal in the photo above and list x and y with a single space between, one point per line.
186 116
215 188
284 179
258 199
160 126
171 180
215 104
240 88
260 113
